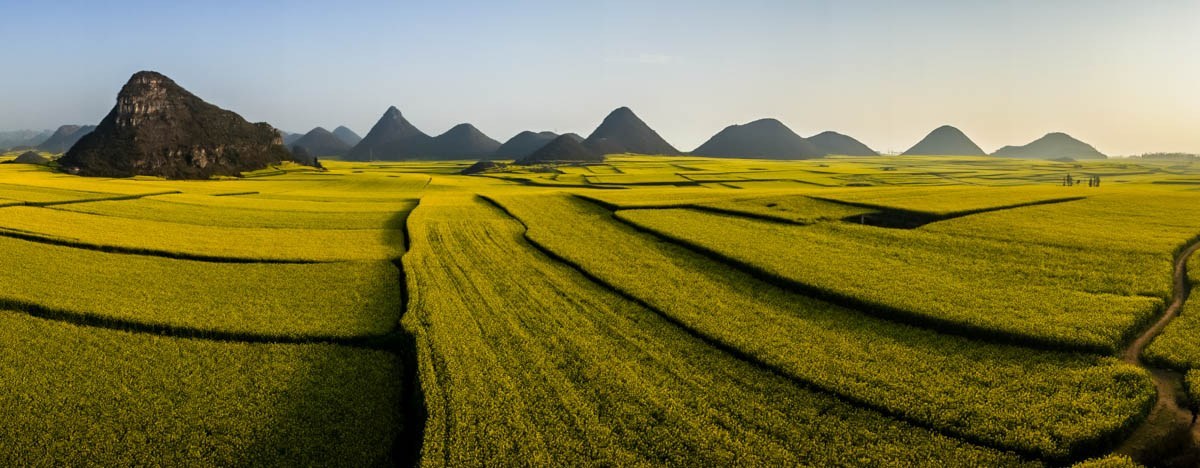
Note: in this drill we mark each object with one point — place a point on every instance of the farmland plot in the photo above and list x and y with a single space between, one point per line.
983 289
343 299
1046 403
191 240
525 361
75 395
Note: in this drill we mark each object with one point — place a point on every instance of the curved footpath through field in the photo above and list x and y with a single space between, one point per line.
1168 436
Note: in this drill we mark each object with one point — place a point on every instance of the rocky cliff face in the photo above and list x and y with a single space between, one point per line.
158 128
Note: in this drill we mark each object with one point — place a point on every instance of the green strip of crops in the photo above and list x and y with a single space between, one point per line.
524 361
218 216
79 396
323 300
1118 220
1047 403
1086 300
199 240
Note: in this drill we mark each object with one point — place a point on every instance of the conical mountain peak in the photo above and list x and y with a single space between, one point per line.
946 141
622 131
391 139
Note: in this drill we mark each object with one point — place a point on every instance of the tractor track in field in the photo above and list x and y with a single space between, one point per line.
1169 436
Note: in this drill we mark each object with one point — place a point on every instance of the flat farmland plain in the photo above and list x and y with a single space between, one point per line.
649 310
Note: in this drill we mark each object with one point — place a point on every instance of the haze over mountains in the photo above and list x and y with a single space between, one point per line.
64 138
23 138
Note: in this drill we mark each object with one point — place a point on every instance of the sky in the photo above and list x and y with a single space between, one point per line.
1121 75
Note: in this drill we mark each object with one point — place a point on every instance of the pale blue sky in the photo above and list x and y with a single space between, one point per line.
1119 74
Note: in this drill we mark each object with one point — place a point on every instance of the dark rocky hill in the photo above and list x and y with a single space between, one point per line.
392 138
839 144
623 132
346 135
946 141
157 128
321 142
30 157
764 139
524 144
562 149
64 138
463 141
1052 146
481 167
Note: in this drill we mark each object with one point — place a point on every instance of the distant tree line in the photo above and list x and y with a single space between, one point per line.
1170 156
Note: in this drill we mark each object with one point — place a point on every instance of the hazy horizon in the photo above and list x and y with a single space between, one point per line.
1117 74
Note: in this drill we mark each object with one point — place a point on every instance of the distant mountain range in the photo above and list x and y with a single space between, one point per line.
64 138
394 138
321 142
23 138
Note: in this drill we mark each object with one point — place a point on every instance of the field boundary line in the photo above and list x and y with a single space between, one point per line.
921 218
407 448
86 200
701 207
76 244
383 342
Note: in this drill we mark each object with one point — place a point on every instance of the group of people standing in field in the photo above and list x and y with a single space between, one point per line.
1092 181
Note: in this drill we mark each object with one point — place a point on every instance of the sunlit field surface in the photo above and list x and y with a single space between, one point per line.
885 311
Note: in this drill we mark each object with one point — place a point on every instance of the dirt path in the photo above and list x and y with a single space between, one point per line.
1169 436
